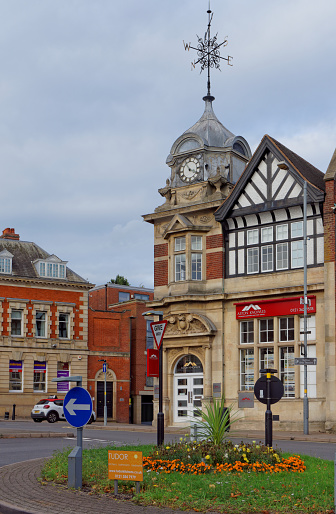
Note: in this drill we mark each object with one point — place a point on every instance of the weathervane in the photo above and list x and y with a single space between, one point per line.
208 51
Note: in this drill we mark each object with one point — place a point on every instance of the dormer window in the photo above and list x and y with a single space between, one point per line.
52 267
6 262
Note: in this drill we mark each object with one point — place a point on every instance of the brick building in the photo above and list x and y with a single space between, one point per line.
43 323
119 334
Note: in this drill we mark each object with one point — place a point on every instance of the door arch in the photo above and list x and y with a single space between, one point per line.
188 388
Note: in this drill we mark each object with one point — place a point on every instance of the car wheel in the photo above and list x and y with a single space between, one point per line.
38 420
52 417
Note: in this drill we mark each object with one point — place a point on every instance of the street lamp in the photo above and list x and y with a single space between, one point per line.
160 416
105 406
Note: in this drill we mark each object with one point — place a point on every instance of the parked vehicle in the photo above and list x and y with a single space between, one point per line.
51 409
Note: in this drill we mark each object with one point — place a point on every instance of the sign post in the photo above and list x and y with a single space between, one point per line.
77 407
125 465
268 389
158 329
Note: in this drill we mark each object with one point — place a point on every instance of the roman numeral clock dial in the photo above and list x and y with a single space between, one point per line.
189 169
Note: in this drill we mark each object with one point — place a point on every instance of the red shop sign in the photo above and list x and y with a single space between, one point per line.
152 362
278 307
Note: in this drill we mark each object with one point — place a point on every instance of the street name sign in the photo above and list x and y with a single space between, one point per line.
77 407
305 361
158 329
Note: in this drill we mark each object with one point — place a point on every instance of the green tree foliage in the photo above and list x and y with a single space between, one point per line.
120 280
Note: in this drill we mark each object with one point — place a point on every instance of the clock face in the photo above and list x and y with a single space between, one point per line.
189 169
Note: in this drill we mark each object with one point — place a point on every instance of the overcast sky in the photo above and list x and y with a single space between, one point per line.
93 93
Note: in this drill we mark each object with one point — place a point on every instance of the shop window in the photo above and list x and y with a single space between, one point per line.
266 358
15 376
247 369
63 370
286 327
246 332
311 375
40 319
287 370
266 331
16 323
40 369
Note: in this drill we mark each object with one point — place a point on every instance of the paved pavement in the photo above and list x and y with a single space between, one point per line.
22 493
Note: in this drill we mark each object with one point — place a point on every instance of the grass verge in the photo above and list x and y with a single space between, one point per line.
226 492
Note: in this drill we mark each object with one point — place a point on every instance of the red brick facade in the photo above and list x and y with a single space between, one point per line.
215 265
160 273
329 222
215 241
161 250
118 335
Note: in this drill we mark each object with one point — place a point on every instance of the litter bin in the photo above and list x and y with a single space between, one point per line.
226 414
6 415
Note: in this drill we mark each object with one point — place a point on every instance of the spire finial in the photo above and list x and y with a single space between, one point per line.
208 53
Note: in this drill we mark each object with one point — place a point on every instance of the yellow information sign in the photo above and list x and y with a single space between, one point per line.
124 465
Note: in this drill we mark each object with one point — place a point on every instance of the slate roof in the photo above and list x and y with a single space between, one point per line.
307 170
24 253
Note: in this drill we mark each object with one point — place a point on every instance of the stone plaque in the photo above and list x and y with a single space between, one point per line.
217 390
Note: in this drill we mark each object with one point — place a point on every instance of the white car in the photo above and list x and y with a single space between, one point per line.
51 409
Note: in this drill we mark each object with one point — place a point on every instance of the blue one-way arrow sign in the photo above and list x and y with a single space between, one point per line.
77 407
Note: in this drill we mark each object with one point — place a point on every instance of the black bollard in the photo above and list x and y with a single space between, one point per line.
13 414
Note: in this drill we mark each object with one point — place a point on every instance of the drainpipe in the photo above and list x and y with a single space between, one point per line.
130 401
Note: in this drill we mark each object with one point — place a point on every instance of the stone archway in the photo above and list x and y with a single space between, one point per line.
111 394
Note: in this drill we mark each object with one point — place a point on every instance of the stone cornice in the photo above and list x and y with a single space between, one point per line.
11 280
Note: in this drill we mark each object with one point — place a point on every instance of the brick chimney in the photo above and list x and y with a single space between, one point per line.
9 233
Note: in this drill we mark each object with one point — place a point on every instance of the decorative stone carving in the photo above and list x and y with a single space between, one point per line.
187 323
190 195
205 219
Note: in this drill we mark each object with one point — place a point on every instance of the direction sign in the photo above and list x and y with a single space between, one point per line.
77 407
277 389
305 361
104 367
158 329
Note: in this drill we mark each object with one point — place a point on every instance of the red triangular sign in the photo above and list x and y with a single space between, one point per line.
158 329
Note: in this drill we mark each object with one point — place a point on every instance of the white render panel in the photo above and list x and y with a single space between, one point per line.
260 183
277 181
274 166
240 238
243 201
297 190
253 194
320 250
317 208
231 224
232 240
295 212
240 222
263 168
319 226
310 252
232 262
310 210
251 220
235 207
280 215
266 217
310 227
285 188
240 261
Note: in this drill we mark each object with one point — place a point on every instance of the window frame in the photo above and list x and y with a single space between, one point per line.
42 374
15 324
271 261
287 377
66 325
278 245
252 265
286 329
246 333
268 331
244 369
12 379
297 253
42 322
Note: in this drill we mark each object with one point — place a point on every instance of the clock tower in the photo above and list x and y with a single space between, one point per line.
205 162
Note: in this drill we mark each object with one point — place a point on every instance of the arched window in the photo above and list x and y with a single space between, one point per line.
189 364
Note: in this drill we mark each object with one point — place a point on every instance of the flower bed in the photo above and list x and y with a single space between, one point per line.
204 458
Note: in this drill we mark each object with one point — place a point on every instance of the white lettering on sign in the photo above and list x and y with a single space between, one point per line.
118 456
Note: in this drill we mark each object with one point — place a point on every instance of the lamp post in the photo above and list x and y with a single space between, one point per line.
160 415
105 406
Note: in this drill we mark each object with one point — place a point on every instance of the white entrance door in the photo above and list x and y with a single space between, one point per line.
188 392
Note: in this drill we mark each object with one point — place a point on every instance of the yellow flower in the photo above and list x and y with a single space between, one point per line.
207 457
167 447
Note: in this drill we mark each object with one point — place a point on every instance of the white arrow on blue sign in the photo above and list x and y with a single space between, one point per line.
77 406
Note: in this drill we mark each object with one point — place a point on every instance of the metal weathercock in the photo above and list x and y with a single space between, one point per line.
208 51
